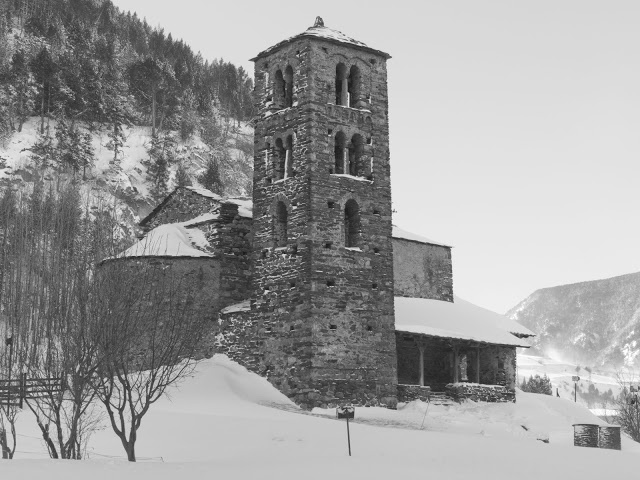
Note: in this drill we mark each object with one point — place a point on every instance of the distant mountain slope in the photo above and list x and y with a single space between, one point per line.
595 323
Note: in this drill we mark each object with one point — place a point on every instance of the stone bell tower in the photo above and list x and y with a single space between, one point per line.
322 314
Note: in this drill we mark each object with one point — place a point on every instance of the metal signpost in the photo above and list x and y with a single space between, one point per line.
575 379
346 412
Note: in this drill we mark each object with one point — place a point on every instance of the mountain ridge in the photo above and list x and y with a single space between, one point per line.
596 322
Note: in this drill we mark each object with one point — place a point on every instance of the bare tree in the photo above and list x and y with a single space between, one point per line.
148 341
626 405
50 307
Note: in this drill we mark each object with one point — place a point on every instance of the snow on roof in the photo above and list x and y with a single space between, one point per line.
204 192
501 321
352 177
204 218
243 306
245 206
404 235
459 319
320 31
170 240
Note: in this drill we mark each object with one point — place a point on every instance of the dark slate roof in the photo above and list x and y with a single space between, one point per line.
319 31
244 205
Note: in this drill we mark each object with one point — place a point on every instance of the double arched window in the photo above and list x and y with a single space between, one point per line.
284 88
348 85
348 156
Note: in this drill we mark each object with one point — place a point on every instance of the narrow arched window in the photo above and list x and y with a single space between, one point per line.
280 225
351 224
288 88
339 153
353 86
282 159
279 89
356 149
267 87
288 163
342 86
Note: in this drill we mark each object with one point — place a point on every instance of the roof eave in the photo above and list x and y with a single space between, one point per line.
484 342
163 257
422 242
288 41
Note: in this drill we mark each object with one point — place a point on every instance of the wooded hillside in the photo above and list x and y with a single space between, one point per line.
86 60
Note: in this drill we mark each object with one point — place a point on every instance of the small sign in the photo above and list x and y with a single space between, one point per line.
345 412
633 389
575 378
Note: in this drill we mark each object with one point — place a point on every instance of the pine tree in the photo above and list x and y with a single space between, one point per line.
86 152
210 178
147 79
44 70
537 384
22 91
161 155
43 151
74 149
182 177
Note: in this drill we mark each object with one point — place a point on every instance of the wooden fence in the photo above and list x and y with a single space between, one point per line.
15 391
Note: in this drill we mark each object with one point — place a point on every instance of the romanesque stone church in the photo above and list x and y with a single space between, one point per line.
309 283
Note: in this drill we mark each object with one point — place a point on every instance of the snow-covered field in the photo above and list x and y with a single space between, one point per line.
561 372
228 423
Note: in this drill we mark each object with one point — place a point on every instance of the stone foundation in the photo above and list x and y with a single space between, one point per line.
409 393
480 393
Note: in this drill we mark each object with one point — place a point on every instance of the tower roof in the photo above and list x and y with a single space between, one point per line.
318 30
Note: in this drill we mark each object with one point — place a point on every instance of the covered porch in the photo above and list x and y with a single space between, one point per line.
437 362
456 348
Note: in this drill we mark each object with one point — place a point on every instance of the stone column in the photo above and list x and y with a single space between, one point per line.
287 159
477 364
345 92
345 160
421 348
455 364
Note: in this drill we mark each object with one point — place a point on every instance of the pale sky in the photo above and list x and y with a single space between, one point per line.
515 125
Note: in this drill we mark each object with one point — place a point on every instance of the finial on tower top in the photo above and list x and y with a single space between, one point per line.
319 22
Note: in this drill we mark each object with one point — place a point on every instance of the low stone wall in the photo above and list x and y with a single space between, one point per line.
409 393
480 393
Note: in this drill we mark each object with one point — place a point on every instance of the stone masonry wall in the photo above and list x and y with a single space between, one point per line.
190 278
352 289
230 242
480 393
409 393
498 366
422 270
325 311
